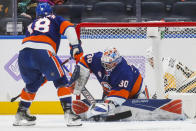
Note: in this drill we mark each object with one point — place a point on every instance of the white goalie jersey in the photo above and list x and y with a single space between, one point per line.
177 76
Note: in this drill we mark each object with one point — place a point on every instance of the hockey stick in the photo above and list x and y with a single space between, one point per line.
14 98
45 80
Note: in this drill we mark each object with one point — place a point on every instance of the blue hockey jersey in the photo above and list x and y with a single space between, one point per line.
47 30
124 81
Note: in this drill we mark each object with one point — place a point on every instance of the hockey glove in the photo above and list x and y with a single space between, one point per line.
76 51
101 109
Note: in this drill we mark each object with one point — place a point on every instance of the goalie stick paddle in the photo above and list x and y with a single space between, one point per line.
16 97
119 116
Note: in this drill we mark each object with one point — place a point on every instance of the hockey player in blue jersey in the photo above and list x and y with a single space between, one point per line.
38 58
120 81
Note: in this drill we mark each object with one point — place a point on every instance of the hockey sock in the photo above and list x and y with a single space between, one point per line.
64 94
26 98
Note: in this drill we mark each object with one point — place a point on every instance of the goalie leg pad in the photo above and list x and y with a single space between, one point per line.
79 107
82 79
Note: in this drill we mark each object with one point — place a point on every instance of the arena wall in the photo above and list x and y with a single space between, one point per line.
46 101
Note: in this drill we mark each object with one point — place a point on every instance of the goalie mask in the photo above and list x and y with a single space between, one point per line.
110 59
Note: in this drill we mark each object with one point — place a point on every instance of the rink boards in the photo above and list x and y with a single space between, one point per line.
46 100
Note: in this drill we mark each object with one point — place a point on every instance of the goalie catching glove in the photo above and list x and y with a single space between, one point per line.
106 108
76 51
80 107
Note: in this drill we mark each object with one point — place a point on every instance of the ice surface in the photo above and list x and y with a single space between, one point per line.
57 123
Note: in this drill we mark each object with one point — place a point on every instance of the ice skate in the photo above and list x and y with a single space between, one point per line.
23 118
72 119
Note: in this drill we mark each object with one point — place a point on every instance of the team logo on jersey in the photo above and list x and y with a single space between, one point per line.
106 87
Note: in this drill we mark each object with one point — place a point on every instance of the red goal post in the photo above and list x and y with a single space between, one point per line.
168 39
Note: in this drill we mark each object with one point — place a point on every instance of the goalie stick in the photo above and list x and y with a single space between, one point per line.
45 80
88 96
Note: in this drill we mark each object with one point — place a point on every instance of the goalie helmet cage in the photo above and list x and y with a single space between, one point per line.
168 39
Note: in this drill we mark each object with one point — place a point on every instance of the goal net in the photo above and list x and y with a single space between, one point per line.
172 47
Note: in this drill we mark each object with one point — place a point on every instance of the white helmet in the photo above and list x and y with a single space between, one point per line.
110 58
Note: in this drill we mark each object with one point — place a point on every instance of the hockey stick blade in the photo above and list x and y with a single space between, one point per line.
14 98
115 117
119 116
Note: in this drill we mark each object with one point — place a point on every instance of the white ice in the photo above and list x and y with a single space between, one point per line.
56 123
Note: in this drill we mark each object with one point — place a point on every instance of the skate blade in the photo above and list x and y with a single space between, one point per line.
31 123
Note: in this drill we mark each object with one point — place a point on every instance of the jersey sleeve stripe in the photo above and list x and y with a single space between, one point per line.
64 25
136 87
59 68
42 39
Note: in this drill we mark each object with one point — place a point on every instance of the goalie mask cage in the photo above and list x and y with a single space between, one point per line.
167 39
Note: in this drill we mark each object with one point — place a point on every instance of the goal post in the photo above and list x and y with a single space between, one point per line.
176 40
153 33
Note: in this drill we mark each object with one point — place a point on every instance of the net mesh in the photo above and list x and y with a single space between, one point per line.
135 33
183 80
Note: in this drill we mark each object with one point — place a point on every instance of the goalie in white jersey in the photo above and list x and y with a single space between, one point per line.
177 76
